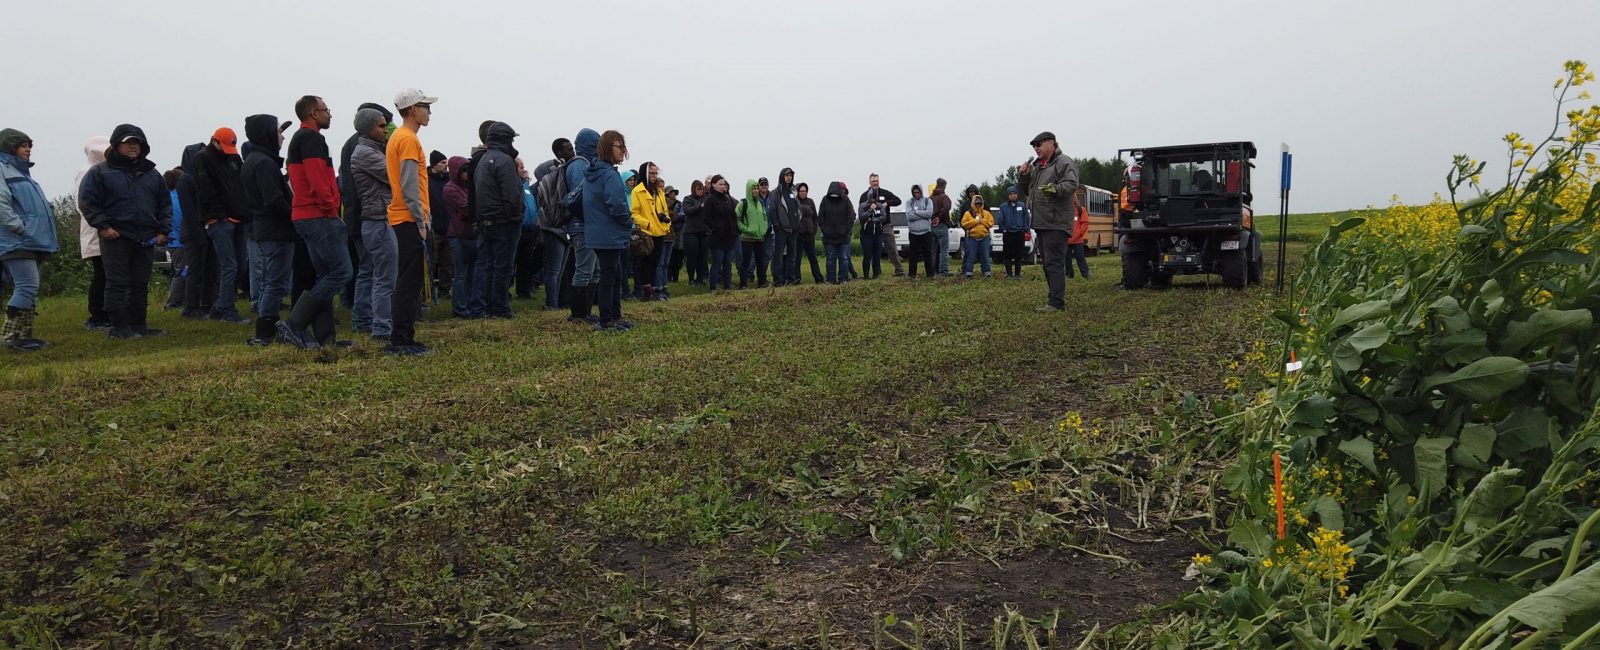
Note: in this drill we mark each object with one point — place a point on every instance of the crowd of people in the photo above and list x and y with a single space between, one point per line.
389 228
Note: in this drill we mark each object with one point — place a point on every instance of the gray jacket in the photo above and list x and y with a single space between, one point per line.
919 215
1057 210
371 173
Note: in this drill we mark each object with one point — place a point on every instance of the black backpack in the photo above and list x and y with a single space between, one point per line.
553 212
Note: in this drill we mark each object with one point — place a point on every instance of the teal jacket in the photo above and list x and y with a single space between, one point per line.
27 224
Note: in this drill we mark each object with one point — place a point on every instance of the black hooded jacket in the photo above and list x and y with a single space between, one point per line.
266 189
497 184
217 182
836 215
694 221
722 225
192 229
783 209
127 194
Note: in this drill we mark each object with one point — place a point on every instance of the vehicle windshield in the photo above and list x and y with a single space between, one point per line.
897 217
1193 177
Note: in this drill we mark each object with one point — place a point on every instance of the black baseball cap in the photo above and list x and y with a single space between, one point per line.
1043 135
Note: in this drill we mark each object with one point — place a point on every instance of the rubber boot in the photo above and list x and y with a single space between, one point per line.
266 331
11 330
138 320
322 329
121 328
27 343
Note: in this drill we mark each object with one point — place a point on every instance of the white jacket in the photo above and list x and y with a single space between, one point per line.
89 238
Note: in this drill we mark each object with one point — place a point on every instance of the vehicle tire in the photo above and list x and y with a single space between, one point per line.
1253 276
1233 268
1135 270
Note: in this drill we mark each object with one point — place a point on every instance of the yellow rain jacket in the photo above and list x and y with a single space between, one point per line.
977 225
650 212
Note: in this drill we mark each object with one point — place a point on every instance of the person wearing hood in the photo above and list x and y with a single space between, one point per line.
220 212
94 153
1013 225
466 292
443 264
315 214
500 210
976 221
125 199
652 219
368 181
877 233
1078 243
837 218
609 226
694 232
674 262
755 234
267 199
919 223
1050 181
941 226
717 212
783 212
584 291
194 287
27 238
351 211
404 161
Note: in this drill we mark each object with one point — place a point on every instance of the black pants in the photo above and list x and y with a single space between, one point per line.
808 247
644 267
1016 250
1053 254
409 277
127 266
613 269
530 262
922 251
753 259
503 240
694 252
200 285
305 274
97 292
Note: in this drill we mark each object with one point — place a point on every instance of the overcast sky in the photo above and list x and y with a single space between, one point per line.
1373 96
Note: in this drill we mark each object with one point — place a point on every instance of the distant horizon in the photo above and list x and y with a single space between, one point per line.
1374 98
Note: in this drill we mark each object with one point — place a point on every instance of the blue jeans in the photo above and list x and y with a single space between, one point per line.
379 261
663 262
555 262
613 265
786 258
871 255
1080 253
252 251
466 289
941 248
721 268
975 250
24 277
499 241
584 264
838 262
277 276
223 252
326 242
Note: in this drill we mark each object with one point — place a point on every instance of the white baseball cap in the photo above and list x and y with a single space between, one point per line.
411 97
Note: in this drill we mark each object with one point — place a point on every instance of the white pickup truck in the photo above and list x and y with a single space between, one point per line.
902 236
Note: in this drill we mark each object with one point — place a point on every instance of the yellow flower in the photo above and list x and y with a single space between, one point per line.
1202 560
1023 486
1266 563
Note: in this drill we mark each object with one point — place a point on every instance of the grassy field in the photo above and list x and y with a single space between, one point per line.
816 466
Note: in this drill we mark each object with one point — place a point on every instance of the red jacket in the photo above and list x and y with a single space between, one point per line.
1080 227
316 194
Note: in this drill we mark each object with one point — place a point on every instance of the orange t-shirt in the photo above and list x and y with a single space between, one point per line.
403 146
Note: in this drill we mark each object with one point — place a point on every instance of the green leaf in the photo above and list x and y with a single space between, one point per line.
1473 230
1329 512
1360 312
1493 494
1361 450
1314 410
1308 639
1475 447
1347 353
1340 228
1484 379
1548 608
1452 599
1251 536
1526 429
1551 256
1432 470
1520 334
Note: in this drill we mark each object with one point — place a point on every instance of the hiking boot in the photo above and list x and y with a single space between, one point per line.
256 342
295 336
123 333
97 325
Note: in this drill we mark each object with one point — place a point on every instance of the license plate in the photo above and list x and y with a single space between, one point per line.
1230 245
1178 259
